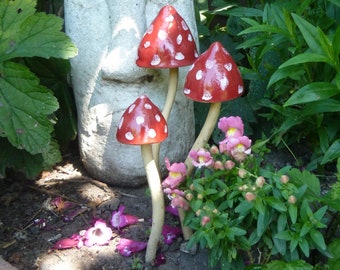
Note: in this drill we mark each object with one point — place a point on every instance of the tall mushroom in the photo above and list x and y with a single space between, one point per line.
143 124
167 43
213 78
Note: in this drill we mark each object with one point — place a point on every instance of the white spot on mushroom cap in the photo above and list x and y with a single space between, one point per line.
199 74
184 25
179 39
186 91
129 136
151 133
190 37
155 60
147 44
165 129
170 18
206 95
147 106
224 82
228 66
162 35
179 56
157 117
139 120
240 89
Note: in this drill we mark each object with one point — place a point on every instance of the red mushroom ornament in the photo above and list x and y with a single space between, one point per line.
167 43
213 78
143 124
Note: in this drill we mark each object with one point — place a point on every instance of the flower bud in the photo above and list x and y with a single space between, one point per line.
260 181
242 173
205 220
198 212
250 196
214 150
192 187
284 179
189 196
218 165
292 199
199 196
229 164
215 211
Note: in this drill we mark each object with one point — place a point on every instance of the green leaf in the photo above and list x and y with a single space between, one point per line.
263 28
25 109
306 178
332 152
292 210
292 71
294 265
304 245
305 58
244 207
276 204
284 235
334 248
33 35
336 42
308 32
245 12
312 92
322 106
318 239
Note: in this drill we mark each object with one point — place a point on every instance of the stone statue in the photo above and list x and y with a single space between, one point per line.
106 80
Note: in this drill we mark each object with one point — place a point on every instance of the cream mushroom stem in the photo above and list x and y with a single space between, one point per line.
201 140
157 199
170 99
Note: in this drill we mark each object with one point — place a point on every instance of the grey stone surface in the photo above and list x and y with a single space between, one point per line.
106 81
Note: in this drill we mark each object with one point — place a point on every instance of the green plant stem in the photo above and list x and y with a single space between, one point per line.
157 199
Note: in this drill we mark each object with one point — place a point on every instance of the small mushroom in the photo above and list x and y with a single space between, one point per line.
143 124
213 78
167 43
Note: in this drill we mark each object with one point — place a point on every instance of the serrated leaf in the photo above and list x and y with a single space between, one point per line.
312 92
25 107
39 35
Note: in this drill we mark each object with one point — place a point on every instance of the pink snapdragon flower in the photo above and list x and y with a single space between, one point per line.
201 158
177 172
232 126
177 199
99 234
120 220
126 247
170 233
238 147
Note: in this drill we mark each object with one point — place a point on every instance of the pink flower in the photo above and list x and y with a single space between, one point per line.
120 220
60 204
231 126
74 241
238 148
201 158
205 220
180 202
99 234
177 172
127 246
170 233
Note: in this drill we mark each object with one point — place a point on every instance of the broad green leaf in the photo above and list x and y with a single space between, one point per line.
312 92
295 72
282 222
318 239
38 35
284 235
304 245
334 248
25 109
276 204
292 210
263 28
336 42
308 32
294 265
244 12
332 152
322 106
305 58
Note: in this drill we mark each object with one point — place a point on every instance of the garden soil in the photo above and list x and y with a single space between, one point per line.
29 226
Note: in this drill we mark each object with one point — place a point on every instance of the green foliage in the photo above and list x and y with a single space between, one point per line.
244 210
27 107
288 52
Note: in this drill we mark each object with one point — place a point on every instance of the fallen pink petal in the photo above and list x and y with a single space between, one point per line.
126 247
99 234
160 259
170 233
66 243
120 220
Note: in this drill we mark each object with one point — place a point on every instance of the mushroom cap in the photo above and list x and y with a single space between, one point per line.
167 43
142 123
213 77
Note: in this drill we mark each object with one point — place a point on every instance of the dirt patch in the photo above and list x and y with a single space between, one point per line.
29 226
